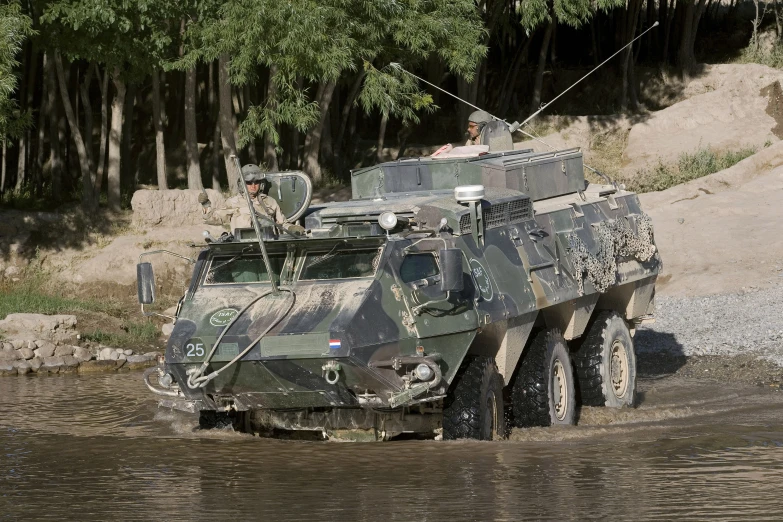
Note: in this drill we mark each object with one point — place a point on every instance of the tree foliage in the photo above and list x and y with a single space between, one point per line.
320 41
15 27
130 37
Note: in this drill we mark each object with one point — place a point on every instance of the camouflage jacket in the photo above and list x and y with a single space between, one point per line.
235 213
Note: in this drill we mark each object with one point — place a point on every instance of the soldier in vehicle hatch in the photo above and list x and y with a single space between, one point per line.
235 212
476 122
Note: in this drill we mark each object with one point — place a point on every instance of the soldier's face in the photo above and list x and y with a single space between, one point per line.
253 187
473 129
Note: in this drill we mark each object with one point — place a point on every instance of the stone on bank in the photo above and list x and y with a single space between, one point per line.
43 344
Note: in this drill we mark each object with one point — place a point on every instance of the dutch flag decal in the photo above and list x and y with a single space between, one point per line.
334 344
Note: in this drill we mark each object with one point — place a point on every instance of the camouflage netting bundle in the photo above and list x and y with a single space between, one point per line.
615 238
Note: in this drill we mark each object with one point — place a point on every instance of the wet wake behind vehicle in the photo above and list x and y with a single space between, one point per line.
449 296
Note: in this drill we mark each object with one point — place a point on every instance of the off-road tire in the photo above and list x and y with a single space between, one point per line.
606 363
215 420
542 393
474 407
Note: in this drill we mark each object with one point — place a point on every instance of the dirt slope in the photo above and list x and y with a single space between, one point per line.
725 106
729 106
722 233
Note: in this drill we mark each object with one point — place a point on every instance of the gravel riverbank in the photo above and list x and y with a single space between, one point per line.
730 336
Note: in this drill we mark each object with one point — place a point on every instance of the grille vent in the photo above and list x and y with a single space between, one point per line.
500 214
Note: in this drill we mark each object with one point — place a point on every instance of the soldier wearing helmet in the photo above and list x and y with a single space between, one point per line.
235 212
476 122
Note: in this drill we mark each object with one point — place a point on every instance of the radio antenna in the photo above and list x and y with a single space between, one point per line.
513 127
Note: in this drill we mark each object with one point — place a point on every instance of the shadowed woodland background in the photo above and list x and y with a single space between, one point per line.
98 97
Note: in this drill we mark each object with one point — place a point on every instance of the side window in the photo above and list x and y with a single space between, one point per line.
418 266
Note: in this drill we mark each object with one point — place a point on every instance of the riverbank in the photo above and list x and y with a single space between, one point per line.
37 344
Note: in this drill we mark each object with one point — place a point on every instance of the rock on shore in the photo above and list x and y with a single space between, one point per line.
42 344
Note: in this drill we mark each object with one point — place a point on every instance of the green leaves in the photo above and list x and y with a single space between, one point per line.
133 37
295 110
325 40
15 27
394 92
575 13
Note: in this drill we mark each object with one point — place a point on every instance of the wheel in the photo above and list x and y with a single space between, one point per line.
215 420
606 363
474 406
542 393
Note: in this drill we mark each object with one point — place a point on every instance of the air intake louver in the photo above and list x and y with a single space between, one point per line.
500 214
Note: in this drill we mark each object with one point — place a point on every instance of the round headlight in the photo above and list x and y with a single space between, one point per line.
423 372
387 220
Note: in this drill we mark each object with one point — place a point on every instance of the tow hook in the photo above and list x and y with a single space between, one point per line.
331 371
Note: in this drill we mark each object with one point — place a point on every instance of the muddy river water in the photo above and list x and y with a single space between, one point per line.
97 447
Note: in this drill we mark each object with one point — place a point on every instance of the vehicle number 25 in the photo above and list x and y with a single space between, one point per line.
195 349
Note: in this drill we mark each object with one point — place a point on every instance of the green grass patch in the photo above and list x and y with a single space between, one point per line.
36 293
689 166
133 333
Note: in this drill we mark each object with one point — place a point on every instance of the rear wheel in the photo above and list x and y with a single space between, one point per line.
543 390
474 407
606 363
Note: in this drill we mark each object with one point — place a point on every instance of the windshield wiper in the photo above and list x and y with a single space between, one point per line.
221 265
326 257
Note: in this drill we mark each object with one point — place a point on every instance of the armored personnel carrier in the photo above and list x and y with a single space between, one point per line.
451 298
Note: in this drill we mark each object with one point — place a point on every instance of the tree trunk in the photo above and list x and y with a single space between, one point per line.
104 133
252 153
270 154
754 39
327 149
778 27
339 147
509 86
84 92
25 102
42 113
669 18
227 123
129 171
629 32
160 146
214 112
685 57
381 136
81 150
191 138
3 167
535 99
312 144
53 110
115 142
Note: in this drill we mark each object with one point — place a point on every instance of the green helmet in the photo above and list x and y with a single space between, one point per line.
252 172
480 117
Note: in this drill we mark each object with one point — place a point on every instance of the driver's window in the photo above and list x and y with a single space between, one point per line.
418 266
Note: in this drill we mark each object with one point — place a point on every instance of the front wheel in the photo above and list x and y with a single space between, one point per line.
474 406
216 420
542 393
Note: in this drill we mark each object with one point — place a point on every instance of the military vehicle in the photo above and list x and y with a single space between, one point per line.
451 297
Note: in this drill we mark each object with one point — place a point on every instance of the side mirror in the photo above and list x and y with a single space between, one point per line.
145 283
451 270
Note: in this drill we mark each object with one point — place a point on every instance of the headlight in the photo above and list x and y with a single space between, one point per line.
423 372
387 220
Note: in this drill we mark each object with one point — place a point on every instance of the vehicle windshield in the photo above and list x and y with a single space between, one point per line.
242 269
340 264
